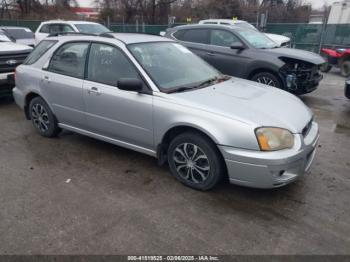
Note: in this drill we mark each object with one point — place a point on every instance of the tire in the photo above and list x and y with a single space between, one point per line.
42 118
345 68
195 161
326 67
267 78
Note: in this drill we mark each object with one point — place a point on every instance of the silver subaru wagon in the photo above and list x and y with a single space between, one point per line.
152 95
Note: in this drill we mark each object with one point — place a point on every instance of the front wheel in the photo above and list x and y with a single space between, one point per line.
267 78
195 161
42 118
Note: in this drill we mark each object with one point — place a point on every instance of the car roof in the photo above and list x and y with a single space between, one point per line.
68 22
213 26
126 38
224 21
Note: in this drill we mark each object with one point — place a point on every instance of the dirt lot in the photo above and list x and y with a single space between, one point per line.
76 195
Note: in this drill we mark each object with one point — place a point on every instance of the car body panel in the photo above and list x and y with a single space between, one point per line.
246 62
227 112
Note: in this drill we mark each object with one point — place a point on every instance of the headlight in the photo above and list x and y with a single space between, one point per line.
273 138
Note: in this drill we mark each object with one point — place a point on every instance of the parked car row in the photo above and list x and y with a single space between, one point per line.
156 95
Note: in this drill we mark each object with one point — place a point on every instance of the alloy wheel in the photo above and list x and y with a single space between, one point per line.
40 118
266 81
191 163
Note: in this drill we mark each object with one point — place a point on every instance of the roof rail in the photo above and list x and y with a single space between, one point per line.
70 33
107 34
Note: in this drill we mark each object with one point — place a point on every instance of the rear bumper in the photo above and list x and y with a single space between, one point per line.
271 169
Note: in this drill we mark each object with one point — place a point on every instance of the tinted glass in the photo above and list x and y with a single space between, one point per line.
4 38
69 60
172 65
257 39
195 36
39 50
45 29
223 38
108 64
66 28
20 33
92 28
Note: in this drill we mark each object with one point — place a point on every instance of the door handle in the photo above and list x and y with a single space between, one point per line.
46 78
94 90
210 54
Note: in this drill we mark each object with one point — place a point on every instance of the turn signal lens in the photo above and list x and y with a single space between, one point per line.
273 138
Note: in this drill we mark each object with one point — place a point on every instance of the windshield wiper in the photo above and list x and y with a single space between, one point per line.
200 85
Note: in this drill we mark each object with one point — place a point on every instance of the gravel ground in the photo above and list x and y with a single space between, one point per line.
76 195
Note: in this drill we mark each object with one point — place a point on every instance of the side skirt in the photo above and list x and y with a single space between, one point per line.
109 140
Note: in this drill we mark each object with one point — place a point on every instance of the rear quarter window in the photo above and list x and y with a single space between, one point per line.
39 50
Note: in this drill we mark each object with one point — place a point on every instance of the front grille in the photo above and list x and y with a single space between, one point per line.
9 62
307 128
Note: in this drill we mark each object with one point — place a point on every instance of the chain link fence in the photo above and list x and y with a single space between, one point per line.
304 36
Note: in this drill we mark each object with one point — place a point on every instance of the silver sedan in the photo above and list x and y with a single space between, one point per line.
152 95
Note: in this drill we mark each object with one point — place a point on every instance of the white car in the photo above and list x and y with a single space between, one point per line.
281 40
61 26
19 35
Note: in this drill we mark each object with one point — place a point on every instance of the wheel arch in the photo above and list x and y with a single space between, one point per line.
174 131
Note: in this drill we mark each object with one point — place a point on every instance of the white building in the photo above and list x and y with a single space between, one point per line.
340 13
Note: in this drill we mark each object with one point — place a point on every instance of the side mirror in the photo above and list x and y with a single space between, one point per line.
130 84
237 46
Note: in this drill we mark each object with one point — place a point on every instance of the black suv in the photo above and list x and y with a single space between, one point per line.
251 55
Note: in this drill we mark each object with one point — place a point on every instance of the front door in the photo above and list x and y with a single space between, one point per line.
122 115
221 56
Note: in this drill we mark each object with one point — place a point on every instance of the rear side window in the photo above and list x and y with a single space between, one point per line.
69 60
193 35
39 50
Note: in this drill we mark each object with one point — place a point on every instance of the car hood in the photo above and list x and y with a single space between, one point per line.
249 102
9 47
297 54
280 39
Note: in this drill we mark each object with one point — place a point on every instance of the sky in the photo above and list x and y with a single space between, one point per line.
320 3
315 3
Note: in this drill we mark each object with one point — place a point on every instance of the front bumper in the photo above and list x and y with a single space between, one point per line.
6 83
347 88
271 169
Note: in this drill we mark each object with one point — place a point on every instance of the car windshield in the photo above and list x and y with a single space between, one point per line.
173 67
257 39
20 33
92 28
4 38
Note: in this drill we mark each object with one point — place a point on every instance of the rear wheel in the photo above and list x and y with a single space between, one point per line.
267 78
195 161
345 68
42 118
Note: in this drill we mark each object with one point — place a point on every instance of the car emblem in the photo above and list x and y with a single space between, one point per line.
11 62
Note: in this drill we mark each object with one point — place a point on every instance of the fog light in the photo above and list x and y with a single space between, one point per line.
291 81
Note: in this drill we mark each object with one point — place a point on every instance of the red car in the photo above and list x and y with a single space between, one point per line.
339 58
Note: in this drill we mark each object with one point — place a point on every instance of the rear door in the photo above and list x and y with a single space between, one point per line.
62 83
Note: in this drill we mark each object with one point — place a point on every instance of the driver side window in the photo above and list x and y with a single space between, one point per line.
107 64
223 38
